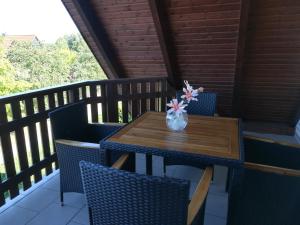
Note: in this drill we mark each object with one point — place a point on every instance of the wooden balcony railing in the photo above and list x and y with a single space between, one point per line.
27 149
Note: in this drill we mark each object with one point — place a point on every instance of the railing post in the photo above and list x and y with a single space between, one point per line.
73 95
112 103
125 94
94 107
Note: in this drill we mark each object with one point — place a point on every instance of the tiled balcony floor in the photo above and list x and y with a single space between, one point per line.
40 205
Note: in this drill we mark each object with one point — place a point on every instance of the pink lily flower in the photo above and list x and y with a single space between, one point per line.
189 92
201 89
176 107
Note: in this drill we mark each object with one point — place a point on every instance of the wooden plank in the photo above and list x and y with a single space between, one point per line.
121 161
152 100
104 103
73 95
76 94
125 93
51 101
112 103
211 136
200 195
83 92
20 142
78 144
52 105
163 98
70 96
60 97
44 133
34 149
143 99
8 156
135 103
94 107
162 24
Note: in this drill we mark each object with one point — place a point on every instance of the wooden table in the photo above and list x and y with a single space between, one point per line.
211 140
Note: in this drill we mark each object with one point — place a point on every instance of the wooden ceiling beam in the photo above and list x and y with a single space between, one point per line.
163 30
105 55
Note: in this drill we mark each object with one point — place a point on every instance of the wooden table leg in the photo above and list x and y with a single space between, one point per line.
148 164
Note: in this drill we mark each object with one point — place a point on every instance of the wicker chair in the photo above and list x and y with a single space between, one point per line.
119 197
205 106
75 140
268 191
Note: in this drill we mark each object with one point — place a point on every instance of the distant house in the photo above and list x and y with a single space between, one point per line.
10 39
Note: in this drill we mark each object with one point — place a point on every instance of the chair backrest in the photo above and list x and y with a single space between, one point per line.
206 104
69 122
264 198
119 197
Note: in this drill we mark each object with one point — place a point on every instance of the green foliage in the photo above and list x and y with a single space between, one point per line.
8 83
25 65
5 66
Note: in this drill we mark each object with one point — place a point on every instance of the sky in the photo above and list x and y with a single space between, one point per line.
47 19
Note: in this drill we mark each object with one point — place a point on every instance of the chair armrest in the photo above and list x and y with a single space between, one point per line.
268 140
272 169
121 161
78 143
200 194
109 124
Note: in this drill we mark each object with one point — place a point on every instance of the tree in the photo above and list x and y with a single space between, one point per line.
85 66
66 61
8 83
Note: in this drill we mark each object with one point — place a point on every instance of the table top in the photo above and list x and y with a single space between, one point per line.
217 137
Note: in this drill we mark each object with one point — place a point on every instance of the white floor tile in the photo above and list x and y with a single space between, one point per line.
54 214
16 216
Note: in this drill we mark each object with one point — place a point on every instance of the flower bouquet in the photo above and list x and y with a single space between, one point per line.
177 118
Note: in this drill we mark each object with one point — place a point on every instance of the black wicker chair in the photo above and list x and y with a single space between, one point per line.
268 192
119 197
75 140
205 106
